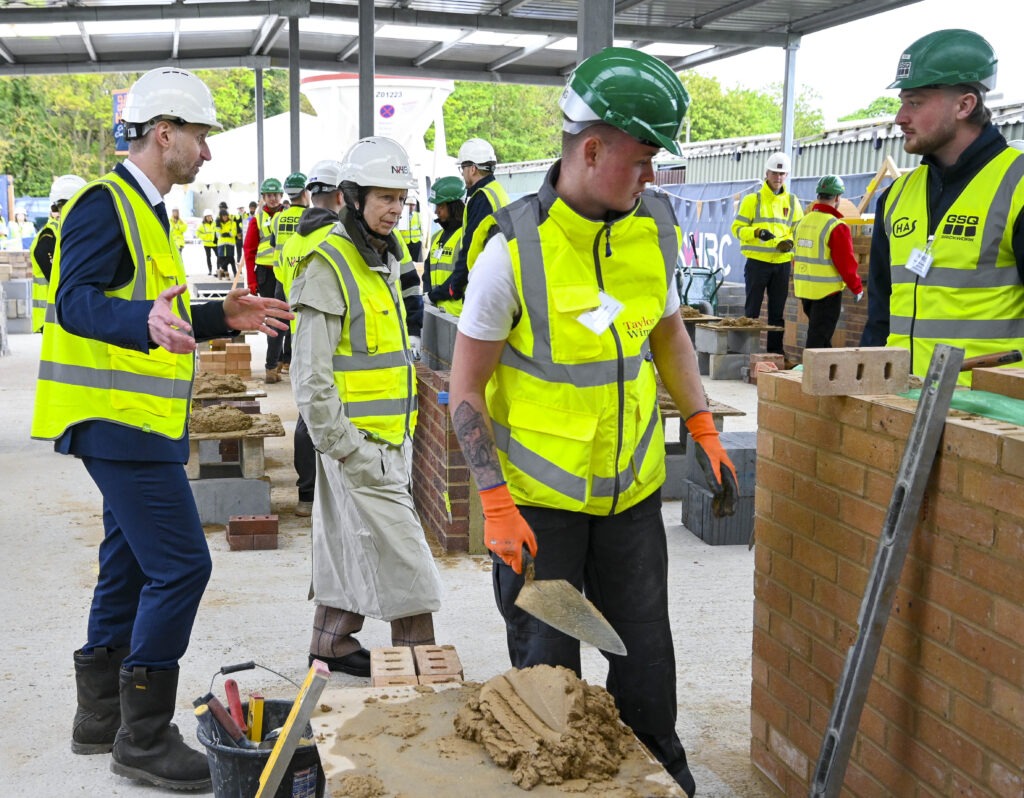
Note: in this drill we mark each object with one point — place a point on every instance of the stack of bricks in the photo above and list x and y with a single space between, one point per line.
16 265
440 471
943 714
761 362
224 357
698 501
252 532
401 665
854 314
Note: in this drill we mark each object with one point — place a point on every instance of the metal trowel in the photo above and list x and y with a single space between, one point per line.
560 605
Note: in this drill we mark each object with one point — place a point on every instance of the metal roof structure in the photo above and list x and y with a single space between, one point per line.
511 41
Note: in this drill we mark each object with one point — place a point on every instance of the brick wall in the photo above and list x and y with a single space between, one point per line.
439 467
945 710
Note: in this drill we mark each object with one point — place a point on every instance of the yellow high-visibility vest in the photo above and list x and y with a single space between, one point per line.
497 198
575 412
373 368
84 379
972 296
815 276
443 252
778 213
40 285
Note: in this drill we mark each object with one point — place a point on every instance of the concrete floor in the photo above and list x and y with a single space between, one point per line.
255 608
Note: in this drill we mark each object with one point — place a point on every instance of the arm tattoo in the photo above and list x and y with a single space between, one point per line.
477 445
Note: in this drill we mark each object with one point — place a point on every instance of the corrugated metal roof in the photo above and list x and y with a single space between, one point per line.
509 41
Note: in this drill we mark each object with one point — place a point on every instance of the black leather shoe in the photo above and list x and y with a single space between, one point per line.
355 664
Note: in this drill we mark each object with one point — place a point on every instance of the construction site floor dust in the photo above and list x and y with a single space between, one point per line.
256 608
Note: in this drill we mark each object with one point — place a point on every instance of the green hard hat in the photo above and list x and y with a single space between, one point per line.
630 90
446 189
831 186
947 58
295 183
270 186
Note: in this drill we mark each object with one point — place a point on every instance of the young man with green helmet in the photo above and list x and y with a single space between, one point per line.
947 255
823 261
554 392
282 227
446 195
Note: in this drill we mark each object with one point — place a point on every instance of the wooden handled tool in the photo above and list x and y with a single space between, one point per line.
995 359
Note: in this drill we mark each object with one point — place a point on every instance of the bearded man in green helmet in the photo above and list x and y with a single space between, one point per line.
947 254
570 308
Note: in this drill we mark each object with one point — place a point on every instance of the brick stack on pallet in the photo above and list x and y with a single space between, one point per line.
224 357
697 499
400 665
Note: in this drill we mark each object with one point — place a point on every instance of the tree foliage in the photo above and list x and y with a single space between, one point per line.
58 124
522 123
878 107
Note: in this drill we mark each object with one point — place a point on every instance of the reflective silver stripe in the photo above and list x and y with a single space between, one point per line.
758 217
84 377
362 362
761 248
522 218
539 468
39 303
605 487
380 407
997 217
826 231
134 239
660 210
356 315
581 375
937 277
51 314
39 281
958 329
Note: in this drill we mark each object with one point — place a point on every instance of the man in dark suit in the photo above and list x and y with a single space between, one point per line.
115 378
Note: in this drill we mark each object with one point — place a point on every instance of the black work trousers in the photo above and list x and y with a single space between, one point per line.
304 460
822 318
772 278
620 562
279 348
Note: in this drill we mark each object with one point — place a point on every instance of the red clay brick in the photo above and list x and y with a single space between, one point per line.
1008 702
917 758
792 576
861 514
839 472
810 493
763 701
995 655
771 767
849 411
1008 620
774 477
877 451
1004 739
437 660
891 704
1000 577
1008 782
1011 457
770 651
838 537
264 542
239 542
991 490
253 524
1005 380
962 676
976 439
892 418
819 621
816 558
824 433
775 419
793 454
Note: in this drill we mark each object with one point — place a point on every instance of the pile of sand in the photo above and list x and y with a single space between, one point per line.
546 725
219 418
207 383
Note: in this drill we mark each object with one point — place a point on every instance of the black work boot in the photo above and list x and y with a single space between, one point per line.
98 715
668 749
148 746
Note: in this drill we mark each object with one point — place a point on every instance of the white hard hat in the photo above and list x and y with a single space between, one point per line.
207 212
378 162
1017 144
64 188
777 162
325 176
477 151
168 93
21 211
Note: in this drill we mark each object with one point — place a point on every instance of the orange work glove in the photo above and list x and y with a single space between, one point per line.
505 529
718 469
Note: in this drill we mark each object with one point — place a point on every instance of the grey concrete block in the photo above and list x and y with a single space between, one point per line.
697 516
675 481
727 367
219 499
438 338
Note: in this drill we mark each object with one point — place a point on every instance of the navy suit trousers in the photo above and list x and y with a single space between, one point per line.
154 562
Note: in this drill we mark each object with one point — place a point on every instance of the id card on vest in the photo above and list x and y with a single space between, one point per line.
601 318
